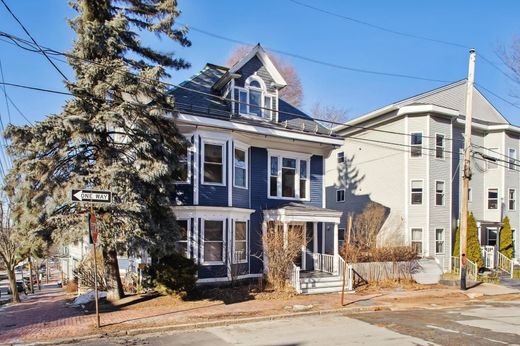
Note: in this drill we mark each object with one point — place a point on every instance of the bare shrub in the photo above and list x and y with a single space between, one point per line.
382 254
85 272
71 286
281 252
367 224
331 114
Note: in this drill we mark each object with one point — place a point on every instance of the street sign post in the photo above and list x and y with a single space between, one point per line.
93 236
91 196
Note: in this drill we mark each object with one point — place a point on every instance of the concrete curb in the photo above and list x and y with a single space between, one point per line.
208 324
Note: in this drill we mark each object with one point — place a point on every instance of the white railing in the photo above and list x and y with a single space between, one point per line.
471 268
324 263
294 277
455 264
349 277
505 264
488 255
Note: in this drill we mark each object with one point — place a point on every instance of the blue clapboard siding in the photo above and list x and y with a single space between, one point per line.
316 180
212 195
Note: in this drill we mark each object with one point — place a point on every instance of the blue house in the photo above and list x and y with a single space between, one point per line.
255 162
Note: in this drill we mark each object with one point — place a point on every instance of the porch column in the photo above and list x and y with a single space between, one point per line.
336 255
264 234
315 237
323 237
285 235
304 248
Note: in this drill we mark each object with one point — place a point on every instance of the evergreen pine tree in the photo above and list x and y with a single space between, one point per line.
473 245
116 133
506 239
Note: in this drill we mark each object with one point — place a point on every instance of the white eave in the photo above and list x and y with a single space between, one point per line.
267 131
266 61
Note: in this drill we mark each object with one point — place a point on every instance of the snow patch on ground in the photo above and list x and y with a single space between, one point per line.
88 297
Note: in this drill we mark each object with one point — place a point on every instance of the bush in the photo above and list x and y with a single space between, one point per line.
473 245
382 254
72 286
506 239
173 274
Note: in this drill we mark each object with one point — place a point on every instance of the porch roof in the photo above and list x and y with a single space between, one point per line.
299 212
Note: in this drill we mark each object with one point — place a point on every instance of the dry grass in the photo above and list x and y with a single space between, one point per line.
71 287
358 254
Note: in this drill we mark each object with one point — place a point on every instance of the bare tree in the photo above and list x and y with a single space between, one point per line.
293 92
281 250
9 251
366 225
510 56
331 115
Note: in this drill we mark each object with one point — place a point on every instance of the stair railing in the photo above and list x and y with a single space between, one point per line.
505 264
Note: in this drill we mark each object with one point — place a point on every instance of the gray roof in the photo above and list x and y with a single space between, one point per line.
196 96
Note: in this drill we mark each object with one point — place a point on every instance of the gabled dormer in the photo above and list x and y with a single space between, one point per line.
253 84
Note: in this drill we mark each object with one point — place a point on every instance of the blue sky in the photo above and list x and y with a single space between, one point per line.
283 25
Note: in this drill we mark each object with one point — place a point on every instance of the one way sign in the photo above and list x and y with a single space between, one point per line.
91 196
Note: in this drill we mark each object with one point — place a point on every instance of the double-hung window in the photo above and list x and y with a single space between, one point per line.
243 99
439 146
182 244
254 98
439 192
416 144
289 177
512 158
439 241
512 199
416 192
240 164
340 195
303 179
492 198
240 242
213 241
417 242
213 163
268 107
341 157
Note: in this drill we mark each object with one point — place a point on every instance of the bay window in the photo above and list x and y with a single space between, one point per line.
240 164
492 198
416 144
213 241
416 192
213 164
417 243
439 241
288 177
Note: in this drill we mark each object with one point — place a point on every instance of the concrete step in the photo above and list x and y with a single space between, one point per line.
321 284
320 279
321 290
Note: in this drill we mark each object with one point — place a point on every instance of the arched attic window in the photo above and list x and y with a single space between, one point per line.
254 98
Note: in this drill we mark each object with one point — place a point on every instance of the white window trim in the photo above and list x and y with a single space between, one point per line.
245 149
422 193
443 193
443 158
203 241
415 145
515 159
487 198
188 236
246 241
509 199
288 155
337 157
189 154
263 93
422 239
443 241
343 195
222 143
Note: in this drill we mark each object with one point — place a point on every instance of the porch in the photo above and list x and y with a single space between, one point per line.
319 264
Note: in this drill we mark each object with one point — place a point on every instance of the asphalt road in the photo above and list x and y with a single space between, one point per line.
496 323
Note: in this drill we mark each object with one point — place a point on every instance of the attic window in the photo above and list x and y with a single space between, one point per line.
254 98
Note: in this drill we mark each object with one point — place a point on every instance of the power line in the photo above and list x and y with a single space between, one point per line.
30 36
5 92
498 96
318 61
378 27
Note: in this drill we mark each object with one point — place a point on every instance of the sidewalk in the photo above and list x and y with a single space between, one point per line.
46 316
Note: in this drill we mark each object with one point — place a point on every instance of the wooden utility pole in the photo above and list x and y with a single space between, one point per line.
467 169
345 268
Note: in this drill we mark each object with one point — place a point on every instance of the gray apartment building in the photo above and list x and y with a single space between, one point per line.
407 156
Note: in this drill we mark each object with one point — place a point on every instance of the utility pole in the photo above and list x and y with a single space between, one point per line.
467 169
345 269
